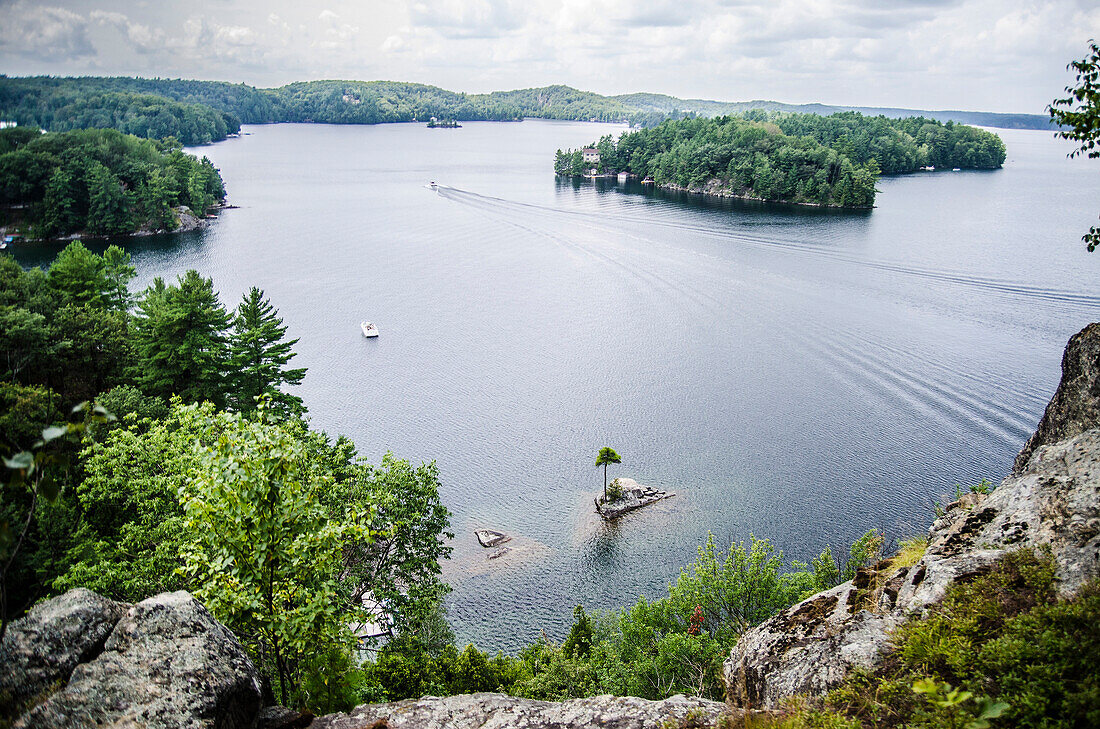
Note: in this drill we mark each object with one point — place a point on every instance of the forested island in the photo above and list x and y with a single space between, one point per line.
99 182
805 159
198 112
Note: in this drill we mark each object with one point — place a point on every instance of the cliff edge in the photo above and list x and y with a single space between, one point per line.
1051 500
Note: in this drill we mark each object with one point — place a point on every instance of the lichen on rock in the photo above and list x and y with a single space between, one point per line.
166 663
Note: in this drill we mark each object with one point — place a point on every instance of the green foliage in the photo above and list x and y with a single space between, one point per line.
24 340
131 525
954 708
79 276
101 181
68 328
25 410
65 104
259 355
999 650
33 475
1080 112
606 456
182 342
579 641
802 158
265 554
399 567
737 589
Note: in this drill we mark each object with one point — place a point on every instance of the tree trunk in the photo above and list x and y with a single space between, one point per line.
605 483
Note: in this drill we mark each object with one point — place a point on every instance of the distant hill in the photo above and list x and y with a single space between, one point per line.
204 111
661 103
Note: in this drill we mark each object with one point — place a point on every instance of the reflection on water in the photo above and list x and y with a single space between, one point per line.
153 251
794 373
607 185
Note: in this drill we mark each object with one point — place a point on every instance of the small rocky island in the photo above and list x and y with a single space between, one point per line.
626 494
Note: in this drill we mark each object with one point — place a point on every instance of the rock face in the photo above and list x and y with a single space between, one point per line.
496 711
1075 406
42 648
1052 500
166 663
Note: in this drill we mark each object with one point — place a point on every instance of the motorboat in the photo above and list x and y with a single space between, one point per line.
369 329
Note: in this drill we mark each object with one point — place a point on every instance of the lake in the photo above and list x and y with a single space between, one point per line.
797 374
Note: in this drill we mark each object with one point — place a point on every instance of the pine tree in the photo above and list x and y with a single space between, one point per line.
182 340
108 204
118 271
60 213
79 276
259 356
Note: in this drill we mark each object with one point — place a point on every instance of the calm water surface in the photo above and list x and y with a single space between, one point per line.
800 375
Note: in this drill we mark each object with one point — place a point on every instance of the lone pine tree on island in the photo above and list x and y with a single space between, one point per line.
607 455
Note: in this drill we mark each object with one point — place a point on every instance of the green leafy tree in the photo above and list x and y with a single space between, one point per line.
259 354
118 271
108 204
400 566
24 340
579 640
735 590
131 524
94 350
34 475
606 456
80 276
61 205
1080 112
265 554
181 340
157 196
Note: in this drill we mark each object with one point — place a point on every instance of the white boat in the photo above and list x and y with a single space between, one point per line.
432 184
369 329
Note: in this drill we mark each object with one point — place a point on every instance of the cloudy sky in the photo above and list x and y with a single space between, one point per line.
992 55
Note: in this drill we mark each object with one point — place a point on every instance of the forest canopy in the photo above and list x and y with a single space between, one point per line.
99 181
798 158
196 112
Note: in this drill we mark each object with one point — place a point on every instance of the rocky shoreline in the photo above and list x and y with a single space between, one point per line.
187 222
631 495
714 189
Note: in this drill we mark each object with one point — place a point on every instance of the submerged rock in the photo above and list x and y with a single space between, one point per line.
496 711
167 663
490 538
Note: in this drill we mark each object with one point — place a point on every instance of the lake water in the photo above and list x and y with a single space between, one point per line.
796 374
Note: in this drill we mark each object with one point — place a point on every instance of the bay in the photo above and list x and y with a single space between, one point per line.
797 374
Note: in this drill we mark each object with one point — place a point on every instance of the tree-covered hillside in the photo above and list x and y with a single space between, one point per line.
192 112
734 156
799 158
898 145
196 112
99 181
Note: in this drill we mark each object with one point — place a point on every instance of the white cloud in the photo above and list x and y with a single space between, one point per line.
43 32
987 54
